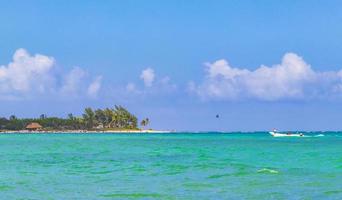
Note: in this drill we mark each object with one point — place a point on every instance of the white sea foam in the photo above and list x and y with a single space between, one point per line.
266 170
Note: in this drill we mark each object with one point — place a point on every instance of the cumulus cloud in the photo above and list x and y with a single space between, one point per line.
26 73
35 75
94 87
130 87
147 75
166 84
153 84
293 78
73 80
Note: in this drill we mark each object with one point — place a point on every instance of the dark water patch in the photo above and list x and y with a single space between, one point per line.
135 168
72 173
300 171
81 167
157 164
5 187
241 166
141 169
215 176
102 172
197 185
241 173
333 192
271 195
133 195
176 169
28 173
104 180
204 166
314 184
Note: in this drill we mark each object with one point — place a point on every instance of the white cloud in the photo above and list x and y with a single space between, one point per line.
293 78
35 75
94 87
26 73
72 81
165 84
147 75
130 87
161 85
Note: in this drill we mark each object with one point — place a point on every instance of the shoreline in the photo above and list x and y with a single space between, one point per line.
84 131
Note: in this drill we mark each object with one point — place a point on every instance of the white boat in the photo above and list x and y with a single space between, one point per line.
275 134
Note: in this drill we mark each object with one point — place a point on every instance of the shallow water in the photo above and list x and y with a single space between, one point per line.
170 166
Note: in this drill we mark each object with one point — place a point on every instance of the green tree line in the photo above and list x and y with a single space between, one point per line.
108 118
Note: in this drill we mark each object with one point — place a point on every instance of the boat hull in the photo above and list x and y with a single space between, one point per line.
274 134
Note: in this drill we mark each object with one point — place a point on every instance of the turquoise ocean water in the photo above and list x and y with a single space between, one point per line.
170 166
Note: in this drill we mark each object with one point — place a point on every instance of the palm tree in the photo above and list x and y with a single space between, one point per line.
42 116
121 118
70 116
108 116
144 122
12 117
89 118
147 121
100 117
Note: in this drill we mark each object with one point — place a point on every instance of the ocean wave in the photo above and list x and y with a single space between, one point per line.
268 171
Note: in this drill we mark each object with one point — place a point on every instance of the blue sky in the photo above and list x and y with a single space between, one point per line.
259 64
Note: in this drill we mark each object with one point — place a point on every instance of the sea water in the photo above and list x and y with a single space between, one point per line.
170 166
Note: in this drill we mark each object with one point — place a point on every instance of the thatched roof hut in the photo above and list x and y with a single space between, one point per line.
33 126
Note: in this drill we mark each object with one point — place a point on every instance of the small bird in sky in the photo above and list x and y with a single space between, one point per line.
217 116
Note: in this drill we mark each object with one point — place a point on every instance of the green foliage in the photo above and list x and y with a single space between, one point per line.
89 118
100 117
121 118
144 122
112 118
42 116
12 117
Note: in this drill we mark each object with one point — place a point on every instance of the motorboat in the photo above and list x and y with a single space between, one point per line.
274 133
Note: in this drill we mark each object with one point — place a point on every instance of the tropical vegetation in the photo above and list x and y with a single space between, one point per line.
103 119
